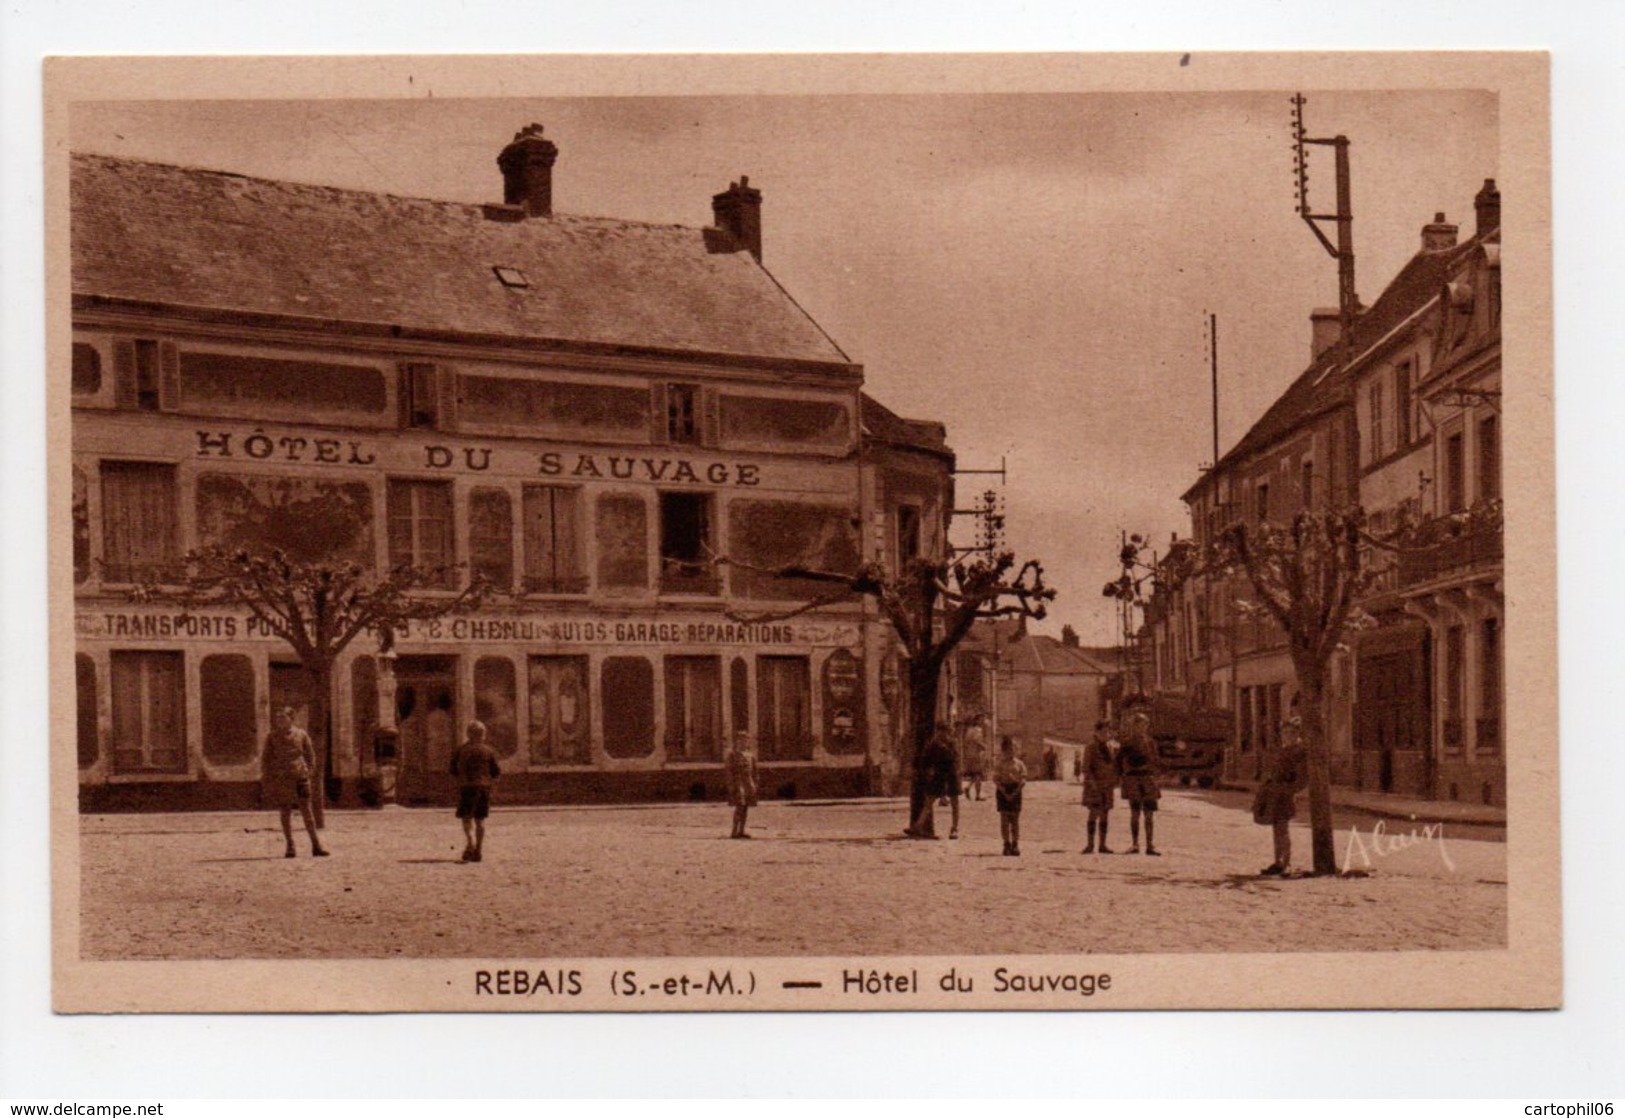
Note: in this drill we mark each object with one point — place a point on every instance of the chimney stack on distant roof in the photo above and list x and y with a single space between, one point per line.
1487 207
1325 326
1438 235
527 172
738 213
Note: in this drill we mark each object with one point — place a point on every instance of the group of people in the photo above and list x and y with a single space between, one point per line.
1127 763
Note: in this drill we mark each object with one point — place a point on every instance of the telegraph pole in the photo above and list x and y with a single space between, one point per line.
1348 302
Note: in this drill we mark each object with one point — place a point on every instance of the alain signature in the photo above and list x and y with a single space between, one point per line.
1379 843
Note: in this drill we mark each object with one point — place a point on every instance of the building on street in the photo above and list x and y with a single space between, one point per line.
590 412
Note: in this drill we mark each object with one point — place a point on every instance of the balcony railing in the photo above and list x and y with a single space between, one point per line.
679 576
1446 548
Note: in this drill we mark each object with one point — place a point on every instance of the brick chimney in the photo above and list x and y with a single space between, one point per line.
527 172
1438 235
1487 207
1325 327
738 213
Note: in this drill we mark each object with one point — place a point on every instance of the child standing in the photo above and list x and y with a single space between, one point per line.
476 769
1009 775
741 772
1099 764
1137 765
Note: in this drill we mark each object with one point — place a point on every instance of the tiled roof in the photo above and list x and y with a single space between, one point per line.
882 424
1323 385
176 236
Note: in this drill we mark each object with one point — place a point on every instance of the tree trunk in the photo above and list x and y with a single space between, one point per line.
1311 696
321 733
924 679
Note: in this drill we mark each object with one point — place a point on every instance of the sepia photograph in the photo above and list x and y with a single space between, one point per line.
687 534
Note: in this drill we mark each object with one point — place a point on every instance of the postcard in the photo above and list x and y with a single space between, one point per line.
734 533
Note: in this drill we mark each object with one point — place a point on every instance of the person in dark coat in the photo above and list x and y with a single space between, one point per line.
1099 765
1286 773
1137 768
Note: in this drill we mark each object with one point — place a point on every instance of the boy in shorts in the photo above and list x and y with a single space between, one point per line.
1137 766
475 767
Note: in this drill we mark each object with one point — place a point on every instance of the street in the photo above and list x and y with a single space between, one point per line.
830 878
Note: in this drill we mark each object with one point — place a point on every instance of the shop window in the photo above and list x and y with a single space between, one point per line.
1455 474
420 529
1489 458
149 713
278 386
682 413
628 684
693 708
553 540
1455 667
766 536
490 536
139 518
81 526
784 708
1489 687
88 722
310 520
739 695
623 543
496 703
87 369
226 685
560 722
685 544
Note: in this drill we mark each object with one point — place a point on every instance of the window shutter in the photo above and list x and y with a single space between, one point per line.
446 384
659 421
124 373
169 376
710 423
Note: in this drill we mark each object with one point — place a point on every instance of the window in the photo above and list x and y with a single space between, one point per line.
693 708
1307 470
1455 663
1377 432
623 543
552 541
81 526
420 529
908 534
490 536
266 387
87 369
1402 404
682 420
312 520
1455 474
560 729
629 706
139 515
420 396
146 375
149 713
1264 501
1489 687
226 683
783 708
496 703
685 544
1489 459
88 721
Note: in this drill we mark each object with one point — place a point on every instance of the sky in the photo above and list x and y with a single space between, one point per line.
1034 270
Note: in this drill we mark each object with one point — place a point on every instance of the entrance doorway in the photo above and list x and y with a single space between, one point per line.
426 714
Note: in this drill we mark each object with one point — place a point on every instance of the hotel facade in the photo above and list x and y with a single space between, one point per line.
627 428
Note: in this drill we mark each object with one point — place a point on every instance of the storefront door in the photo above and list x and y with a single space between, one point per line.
426 713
